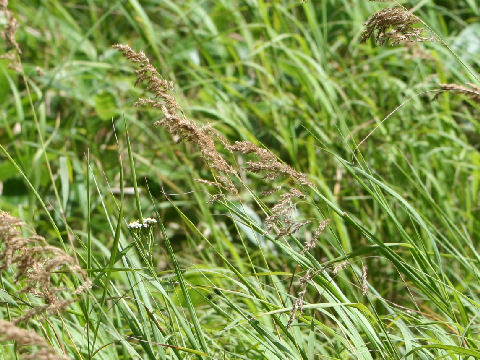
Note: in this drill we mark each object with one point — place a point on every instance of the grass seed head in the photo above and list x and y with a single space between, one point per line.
8 33
25 339
394 24
472 91
364 280
340 266
282 217
299 301
312 243
34 263
175 120
179 126
268 163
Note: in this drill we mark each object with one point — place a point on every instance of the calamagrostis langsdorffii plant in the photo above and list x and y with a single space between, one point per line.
394 24
30 345
281 220
177 124
174 119
34 263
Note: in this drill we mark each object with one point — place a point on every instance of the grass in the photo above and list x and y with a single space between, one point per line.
79 162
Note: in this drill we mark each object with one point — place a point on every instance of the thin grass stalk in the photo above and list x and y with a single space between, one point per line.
178 272
113 252
132 169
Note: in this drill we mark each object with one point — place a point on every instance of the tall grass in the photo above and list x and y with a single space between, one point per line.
304 195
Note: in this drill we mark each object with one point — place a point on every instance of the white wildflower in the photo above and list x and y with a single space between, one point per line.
134 225
149 221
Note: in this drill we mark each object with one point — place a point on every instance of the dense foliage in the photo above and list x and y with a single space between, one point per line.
344 224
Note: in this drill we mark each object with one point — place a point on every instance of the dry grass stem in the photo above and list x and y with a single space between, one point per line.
395 25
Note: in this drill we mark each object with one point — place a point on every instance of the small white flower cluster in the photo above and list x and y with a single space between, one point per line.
147 222
134 225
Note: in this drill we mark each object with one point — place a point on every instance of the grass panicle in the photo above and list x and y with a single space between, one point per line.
310 244
267 163
300 301
10 29
175 120
395 25
339 267
283 213
31 345
178 125
471 91
35 263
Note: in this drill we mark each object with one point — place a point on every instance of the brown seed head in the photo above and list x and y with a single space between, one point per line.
175 120
25 339
320 229
267 163
340 266
34 262
299 301
395 25
472 91
9 32
364 280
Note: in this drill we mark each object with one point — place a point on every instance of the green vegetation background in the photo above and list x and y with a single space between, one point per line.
289 75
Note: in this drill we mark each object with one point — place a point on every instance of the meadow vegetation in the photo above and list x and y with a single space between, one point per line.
228 179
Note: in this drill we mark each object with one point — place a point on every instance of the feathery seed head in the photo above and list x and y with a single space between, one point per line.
267 163
311 244
472 91
25 339
340 266
299 302
35 262
11 26
364 280
175 120
393 24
